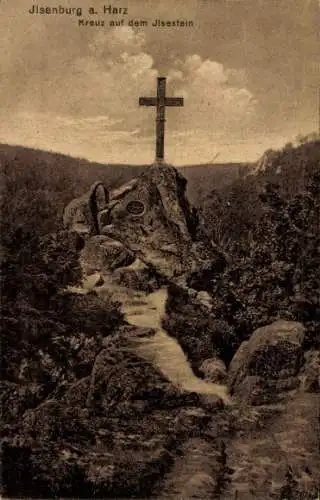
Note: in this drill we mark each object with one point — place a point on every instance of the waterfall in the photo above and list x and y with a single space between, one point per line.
162 350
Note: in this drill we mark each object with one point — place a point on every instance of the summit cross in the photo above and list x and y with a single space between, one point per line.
161 101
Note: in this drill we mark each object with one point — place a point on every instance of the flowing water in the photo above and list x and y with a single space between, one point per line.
162 350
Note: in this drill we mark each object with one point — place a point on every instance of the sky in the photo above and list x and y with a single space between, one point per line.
249 72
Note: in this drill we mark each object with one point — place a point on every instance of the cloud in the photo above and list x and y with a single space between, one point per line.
109 80
243 71
92 122
116 41
117 69
215 96
98 138
92 108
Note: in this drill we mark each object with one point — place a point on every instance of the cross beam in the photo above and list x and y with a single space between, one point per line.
161 101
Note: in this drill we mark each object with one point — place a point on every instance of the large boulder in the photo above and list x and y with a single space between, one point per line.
84 438
213 370
151 215
310 374
104 254
120 378
80 215
148 218
268 363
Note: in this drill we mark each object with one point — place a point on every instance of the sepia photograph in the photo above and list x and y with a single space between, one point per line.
160 249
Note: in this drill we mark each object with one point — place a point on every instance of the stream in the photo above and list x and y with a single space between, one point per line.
162 350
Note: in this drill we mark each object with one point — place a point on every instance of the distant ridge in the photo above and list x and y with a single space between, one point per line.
10 151
201 177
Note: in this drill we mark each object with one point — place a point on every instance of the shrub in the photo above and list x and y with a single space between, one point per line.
277 273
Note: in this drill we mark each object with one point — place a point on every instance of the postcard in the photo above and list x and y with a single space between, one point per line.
160 207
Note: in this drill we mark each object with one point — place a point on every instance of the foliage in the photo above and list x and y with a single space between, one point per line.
233 212
276 272
200 334
37 261
303 139
268 224
37 185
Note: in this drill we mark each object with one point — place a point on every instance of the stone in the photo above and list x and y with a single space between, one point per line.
253 390
88 284
214 370
80 215
148 217
238 362
142 279
119 376
161 234
205 299
310 373
268 362
102 254
92 281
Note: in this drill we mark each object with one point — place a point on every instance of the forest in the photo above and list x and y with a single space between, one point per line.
264 216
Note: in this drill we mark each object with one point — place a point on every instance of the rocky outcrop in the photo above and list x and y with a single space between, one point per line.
214 370
126 414
152 217
310 373
275 415
147 238
268 363
104 254
80 215
87 430
149 218
265 162
121 377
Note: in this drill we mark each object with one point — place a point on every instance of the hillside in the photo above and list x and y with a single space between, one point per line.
204 178
235 209
117 384
65 170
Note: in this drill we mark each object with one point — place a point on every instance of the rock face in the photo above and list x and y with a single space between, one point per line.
104 254
310 374
153 218
149 217
84 438
137 240
121 377
213 369
145 238
125 415
268 363
80 215
276 416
